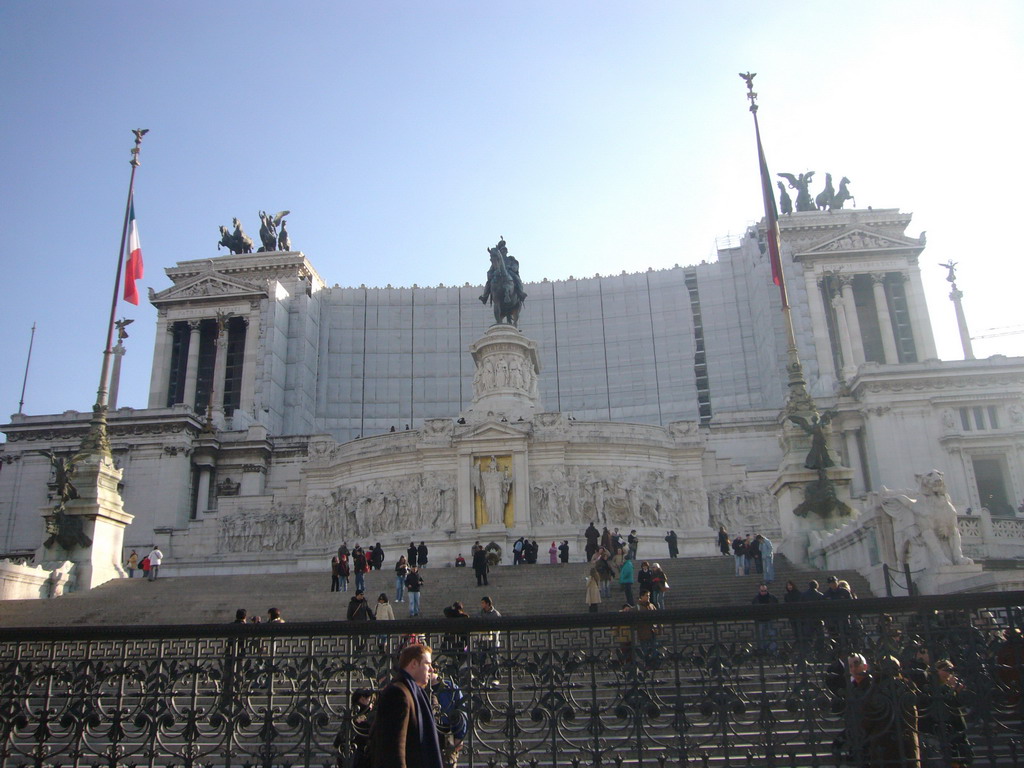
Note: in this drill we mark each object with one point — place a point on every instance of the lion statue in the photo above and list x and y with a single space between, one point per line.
925 529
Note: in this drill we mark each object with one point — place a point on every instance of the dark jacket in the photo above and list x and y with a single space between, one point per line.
359 610
396 740
480 560
413 582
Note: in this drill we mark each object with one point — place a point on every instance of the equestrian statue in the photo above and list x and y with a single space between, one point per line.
504 288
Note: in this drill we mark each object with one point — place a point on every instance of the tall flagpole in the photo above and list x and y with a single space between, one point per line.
96 441
28 360
799 399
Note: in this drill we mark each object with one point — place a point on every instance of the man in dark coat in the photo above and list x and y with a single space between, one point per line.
411 554
421 555
404 734
592 536
359 609
563 551
480 566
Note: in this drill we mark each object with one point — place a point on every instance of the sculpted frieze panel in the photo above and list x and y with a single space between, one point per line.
384 506
629 496
743 510
277 530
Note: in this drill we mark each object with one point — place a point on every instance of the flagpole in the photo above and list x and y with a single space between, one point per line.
28 360
799 399
96 440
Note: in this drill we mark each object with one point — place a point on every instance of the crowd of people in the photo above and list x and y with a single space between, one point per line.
752 554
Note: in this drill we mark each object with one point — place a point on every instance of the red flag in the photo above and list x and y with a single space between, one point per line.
771 216
133 269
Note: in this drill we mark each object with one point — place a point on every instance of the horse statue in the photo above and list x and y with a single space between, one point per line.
800 184
824 199
239 242
785 201
504 288
268 229
842 195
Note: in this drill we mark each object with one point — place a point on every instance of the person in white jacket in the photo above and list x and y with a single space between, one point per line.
155 558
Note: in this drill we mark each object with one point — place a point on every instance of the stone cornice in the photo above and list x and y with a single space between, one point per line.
998 373
122 424
277 265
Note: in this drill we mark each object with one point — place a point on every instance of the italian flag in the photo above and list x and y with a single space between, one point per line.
133 270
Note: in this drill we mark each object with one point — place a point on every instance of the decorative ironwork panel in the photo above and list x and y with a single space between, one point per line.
768 685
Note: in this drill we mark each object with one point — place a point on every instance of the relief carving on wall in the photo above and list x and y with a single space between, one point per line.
381 507
278 530
740 509
499 372
624 497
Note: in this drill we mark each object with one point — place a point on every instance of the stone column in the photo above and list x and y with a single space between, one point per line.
853 462
961 321
159 379
252 336
115 376
917 308
819 326
852 321
192 371
220 364
884 320
203 490
844 337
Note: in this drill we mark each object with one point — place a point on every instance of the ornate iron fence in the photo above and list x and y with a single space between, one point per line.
764 685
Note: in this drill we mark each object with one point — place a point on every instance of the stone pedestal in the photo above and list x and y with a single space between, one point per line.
790 490
103 519
505 384
947 579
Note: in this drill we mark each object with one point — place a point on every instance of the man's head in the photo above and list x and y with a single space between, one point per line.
644 597
417 661
762 589
273 614
486 605
832 582
813 585
359 595
858 666
944 669
241 614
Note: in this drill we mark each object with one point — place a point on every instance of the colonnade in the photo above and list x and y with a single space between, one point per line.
839 339
168 362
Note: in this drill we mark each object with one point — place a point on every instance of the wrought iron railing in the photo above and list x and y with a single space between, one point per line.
758 685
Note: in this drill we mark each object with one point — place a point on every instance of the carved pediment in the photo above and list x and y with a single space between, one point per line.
859 241
209 285
491 430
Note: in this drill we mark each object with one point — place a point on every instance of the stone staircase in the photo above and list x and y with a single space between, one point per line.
516 591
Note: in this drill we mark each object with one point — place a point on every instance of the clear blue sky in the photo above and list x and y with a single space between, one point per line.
405 137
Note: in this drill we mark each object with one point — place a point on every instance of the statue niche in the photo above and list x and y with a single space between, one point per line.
492 491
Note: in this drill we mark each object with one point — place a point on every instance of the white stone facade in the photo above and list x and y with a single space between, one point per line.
286 416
